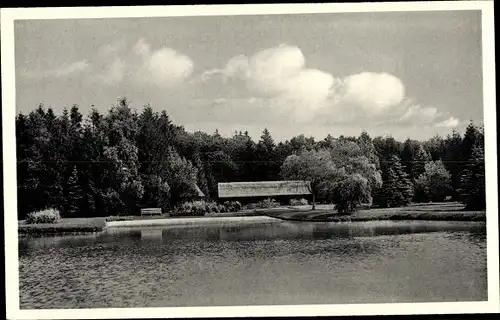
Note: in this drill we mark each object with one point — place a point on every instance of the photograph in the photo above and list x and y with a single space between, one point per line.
250 160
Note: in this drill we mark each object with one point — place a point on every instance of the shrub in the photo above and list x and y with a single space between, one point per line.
44 216
267 203
298 202
232 206
197 208
221 208
212 207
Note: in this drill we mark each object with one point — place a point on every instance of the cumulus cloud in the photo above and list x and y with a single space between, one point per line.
117 63
373 92
280 75
279 78
64 70
164 67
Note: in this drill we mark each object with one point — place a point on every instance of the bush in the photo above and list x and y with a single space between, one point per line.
198 208
221 208
44 216
267 203
232 206
298 202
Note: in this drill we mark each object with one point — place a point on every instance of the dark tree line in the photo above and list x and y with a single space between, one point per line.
118 162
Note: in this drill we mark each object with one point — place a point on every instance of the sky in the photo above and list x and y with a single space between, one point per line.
405 74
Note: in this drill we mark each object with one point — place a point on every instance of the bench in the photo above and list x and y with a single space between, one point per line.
151 212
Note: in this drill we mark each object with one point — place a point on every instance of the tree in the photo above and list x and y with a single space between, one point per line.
121 174
301 142
182 178
268 168
349 192
434 184
74 196
408 154
473 184
397 189
419 161
367 148
435 146
312 166
386 147
453 160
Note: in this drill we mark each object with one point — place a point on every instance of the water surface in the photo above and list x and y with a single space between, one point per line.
256 264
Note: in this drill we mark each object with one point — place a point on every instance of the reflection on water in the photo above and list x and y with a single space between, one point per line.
269 263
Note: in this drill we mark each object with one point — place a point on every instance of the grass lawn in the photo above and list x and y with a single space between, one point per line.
450 211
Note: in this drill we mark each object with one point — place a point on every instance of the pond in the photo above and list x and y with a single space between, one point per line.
256 264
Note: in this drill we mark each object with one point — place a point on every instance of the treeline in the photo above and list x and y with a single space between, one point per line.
116 163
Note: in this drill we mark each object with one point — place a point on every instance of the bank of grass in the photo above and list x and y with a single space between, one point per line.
323 213
63 226
450 211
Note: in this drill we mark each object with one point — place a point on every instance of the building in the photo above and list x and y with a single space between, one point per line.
281 191
200 194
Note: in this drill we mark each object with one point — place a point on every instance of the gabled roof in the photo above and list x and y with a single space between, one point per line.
198 190
263 189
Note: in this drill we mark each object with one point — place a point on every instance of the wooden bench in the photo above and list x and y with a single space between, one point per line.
151 212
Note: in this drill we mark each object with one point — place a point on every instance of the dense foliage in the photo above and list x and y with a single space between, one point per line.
121 161
44 216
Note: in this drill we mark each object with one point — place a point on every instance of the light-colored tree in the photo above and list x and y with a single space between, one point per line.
316 167
434 184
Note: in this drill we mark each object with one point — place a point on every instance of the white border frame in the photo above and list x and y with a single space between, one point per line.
10 194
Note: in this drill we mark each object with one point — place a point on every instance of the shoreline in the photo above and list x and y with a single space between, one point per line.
323 213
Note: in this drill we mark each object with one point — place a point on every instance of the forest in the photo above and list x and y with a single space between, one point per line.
124 160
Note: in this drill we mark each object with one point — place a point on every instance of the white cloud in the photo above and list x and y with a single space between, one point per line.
163 67
448 123
64 70
416 115
279 75
278 81
373 92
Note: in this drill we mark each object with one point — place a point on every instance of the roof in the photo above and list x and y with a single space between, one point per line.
263 189
198 190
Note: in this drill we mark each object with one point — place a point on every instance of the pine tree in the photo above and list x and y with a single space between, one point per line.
74 197
453 161
419 161
473 187
266 150
408 153
397 189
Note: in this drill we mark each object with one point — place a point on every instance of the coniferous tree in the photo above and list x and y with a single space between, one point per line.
397 189
408 155
267 166
418 163
119 161
124 186
453 161
74 196
473 187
